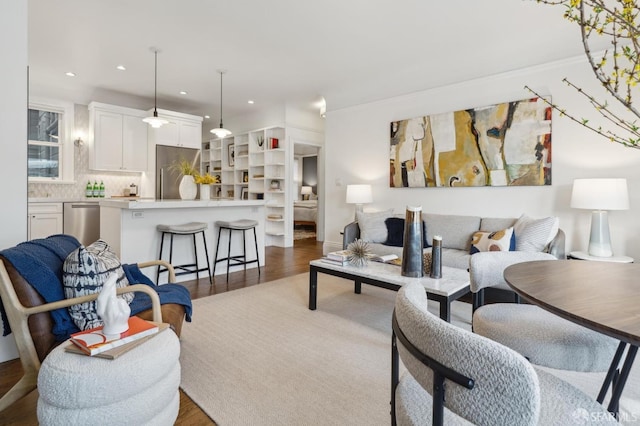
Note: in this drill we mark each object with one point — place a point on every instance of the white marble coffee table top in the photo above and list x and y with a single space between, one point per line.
452 281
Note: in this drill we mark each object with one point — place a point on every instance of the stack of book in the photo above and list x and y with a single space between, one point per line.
94 342
337 257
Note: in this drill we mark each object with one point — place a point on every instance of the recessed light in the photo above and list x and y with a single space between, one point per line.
121 68
70 74
182 92
206 116
250 102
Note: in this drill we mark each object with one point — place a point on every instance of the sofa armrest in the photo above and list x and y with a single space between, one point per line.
350 233
557 246
486 269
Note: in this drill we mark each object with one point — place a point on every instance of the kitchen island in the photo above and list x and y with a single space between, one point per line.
129 226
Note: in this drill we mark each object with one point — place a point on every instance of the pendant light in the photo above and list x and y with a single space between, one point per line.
220 131
154 120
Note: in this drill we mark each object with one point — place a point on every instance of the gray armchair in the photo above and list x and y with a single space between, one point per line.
540 336
485 382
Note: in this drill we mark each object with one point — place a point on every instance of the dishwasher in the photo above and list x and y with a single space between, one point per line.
82 220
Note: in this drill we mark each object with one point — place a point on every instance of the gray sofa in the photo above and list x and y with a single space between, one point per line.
456 232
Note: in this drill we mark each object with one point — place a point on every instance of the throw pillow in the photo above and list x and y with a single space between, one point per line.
503 240
395 232
372 226
533 235
84 272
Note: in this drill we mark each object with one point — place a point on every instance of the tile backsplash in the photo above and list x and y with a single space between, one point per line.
114 182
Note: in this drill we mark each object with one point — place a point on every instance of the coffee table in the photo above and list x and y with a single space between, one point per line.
453 284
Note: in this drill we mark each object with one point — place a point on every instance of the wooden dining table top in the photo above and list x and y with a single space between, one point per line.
602 296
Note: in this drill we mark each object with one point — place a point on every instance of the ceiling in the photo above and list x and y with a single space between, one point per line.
281 51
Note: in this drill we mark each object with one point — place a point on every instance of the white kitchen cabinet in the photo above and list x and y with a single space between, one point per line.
183 130
44 219
117 138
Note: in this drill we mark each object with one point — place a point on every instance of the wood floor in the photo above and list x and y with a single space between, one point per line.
281 262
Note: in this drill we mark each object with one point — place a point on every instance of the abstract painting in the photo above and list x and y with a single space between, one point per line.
507 144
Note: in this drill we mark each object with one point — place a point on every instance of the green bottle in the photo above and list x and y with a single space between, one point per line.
88 192
96 189
101 189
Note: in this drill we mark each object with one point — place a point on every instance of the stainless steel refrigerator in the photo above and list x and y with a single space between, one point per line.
167 179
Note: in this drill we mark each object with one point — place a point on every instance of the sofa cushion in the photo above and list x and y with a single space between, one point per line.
455 230
533 235
502 240
85 271
496 223
372 226
395 232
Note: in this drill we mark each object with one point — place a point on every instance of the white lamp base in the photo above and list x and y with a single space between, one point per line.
600 240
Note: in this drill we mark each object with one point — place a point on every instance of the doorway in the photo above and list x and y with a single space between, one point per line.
307 204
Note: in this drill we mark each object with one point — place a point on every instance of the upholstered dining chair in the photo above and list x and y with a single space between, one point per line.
540 336
456 377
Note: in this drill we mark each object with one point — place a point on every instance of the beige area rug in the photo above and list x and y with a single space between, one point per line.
259 356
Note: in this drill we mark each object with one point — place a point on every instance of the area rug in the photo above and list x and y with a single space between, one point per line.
259 356
303 234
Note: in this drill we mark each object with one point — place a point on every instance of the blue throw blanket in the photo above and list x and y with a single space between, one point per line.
40 263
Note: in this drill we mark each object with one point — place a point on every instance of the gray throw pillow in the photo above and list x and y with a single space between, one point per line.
372 226
85 271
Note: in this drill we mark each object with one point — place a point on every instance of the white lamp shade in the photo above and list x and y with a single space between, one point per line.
306 190
600 194
359 194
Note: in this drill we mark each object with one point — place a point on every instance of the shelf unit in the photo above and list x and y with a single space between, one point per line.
255 166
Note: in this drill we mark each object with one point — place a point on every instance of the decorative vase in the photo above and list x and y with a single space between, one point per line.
205 191
436 257
412 260
188 188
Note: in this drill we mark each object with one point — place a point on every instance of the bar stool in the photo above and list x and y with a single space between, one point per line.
237 225
192 228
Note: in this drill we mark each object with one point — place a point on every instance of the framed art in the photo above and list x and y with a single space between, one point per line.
507 144
244 193
231 153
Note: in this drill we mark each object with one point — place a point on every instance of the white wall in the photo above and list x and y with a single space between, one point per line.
13 127
357 151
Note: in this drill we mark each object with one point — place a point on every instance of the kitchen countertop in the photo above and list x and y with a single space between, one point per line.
139 204
62 200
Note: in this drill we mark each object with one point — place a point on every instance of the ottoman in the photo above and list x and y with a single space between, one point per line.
140 387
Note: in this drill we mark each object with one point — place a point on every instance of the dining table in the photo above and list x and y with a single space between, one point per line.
602 296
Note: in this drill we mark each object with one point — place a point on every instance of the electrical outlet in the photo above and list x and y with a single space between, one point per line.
137 215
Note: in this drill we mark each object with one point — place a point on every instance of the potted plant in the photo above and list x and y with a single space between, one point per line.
205 182
188 188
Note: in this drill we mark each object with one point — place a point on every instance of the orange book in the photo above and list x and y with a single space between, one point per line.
93 341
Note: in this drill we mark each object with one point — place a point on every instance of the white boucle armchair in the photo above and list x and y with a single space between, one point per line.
540 336
485 382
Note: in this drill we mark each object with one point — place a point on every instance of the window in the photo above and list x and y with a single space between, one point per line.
50 150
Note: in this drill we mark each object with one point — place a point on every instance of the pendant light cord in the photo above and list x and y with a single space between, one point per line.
221 100
155 85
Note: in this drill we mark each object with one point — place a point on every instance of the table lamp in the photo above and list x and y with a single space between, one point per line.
600 195
359 195
306 191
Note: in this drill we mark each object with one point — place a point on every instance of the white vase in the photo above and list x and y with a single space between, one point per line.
188 188
205 192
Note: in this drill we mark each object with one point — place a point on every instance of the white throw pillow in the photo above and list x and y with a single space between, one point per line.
372 226
533 235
